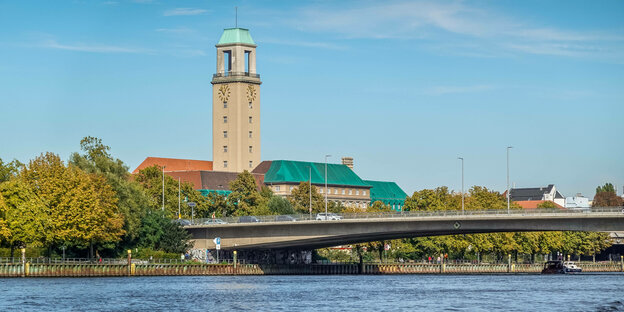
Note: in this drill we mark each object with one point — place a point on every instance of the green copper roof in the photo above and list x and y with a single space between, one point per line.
236 35
387 192
288 171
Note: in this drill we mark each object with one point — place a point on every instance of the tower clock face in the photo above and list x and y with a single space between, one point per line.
251 93
224 92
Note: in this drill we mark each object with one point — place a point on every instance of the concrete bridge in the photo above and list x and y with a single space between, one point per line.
359 228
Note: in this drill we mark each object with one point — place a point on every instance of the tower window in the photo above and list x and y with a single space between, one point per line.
225 164
227 55
250 119
224 119
250 148
247 56
250 105
224 104
225 148
250 164
250 134
225 134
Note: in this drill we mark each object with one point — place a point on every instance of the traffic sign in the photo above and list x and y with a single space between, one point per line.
191 204
217 242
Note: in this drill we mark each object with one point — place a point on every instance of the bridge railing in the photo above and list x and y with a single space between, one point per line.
413 214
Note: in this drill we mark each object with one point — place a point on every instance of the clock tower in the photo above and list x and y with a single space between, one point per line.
236 103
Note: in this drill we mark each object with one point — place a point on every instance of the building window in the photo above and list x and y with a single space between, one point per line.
224 119
224 104
321 190
363 192
357 192
277 188
250 148
291 188
343 192
225 134
350 192
335 191
364 205
250 119
250 164
250 134
250 105
225 148
225 164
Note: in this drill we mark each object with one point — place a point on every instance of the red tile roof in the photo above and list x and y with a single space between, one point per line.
175 164
532 204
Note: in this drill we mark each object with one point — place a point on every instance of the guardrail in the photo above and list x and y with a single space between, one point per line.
235 74
411 214
45 260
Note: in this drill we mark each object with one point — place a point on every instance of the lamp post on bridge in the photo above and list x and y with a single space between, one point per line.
163 188
508 148
462 188
326 156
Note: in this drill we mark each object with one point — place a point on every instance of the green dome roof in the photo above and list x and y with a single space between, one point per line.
236 35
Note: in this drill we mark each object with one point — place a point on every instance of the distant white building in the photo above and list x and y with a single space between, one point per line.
548 193
578 201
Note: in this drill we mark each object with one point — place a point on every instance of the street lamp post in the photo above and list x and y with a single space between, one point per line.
508 148
310 192
462 188
163 190
326 156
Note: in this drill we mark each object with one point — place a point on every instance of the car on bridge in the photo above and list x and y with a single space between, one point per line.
285 218
328 216
214 221
182 222
248 219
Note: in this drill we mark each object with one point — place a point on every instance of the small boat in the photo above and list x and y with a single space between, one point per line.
570 267
554 267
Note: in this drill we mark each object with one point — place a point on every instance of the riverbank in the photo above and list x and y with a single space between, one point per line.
105 270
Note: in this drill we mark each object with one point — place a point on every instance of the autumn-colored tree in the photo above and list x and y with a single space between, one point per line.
26 217
5 232
607 197
78 208
300 199
547 204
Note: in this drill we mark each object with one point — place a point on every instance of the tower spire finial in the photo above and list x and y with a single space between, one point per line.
236 17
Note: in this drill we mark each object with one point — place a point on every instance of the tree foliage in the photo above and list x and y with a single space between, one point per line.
300 198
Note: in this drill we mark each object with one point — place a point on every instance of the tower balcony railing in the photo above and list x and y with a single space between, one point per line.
235 74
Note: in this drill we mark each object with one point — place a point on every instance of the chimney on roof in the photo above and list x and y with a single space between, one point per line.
348 161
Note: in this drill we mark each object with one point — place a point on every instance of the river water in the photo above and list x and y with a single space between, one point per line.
583 292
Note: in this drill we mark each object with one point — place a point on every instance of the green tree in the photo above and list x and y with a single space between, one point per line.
151 180
131 198
280 206
433 200
9 170
158 232
300 199
245 199
607 188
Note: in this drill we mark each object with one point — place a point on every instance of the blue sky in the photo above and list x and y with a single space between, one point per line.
404 87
